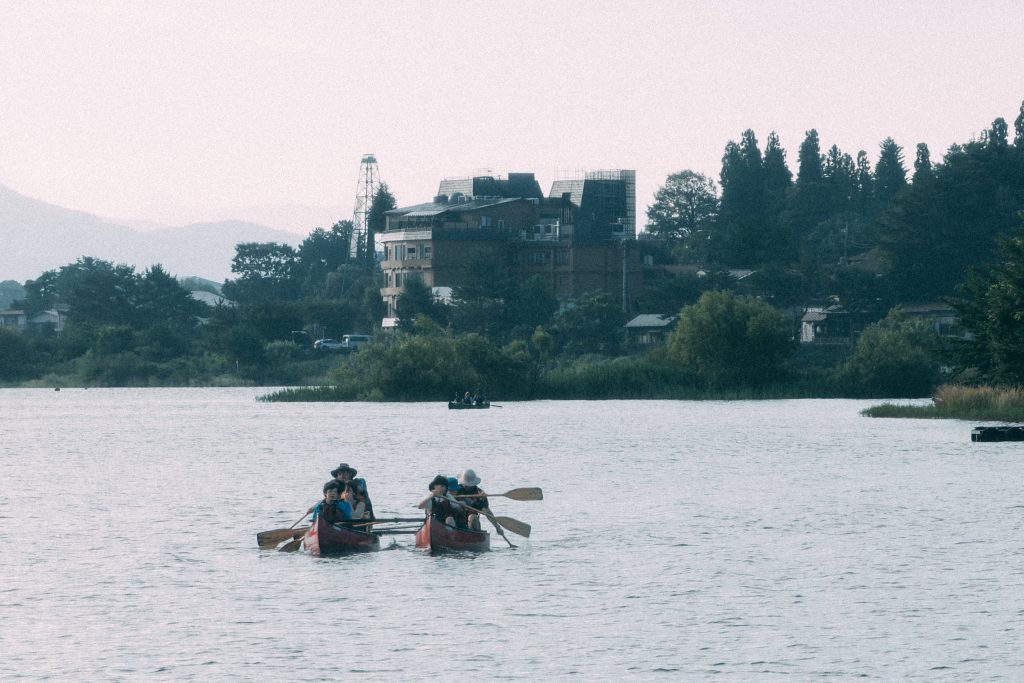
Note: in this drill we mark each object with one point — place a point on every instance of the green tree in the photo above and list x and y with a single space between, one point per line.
323 252
267 271
592 325
161 300
684 212
895 357
1018 128
376 220
727 340
778 183
416 299
18 358
864 198
741 221
809 201
990 305
890 174
923 165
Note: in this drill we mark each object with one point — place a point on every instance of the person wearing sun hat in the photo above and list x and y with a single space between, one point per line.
344 473
469 485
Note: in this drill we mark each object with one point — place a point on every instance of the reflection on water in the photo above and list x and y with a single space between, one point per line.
755 539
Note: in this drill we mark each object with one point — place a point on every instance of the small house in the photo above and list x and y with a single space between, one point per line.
826 325
648 329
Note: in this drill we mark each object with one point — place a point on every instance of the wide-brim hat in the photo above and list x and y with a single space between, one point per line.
469 478
343 467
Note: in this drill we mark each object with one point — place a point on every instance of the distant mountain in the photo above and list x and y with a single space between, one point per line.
36 237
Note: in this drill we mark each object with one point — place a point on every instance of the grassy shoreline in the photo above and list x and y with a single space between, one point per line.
958 402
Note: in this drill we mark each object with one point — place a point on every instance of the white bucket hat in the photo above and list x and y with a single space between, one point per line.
469 478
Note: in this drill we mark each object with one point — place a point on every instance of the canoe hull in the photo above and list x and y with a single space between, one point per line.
327 539
468 406
440 537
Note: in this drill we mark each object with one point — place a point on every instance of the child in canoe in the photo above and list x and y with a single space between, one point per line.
334 510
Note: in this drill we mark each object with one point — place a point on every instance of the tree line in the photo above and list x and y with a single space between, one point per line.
871 236
881 234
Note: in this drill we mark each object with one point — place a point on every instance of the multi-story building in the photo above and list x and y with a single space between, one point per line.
575 238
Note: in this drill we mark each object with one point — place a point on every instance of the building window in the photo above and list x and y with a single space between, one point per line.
427 252
398 279
501 224
537 258
410 252
562 257
387 252
485 221
563 279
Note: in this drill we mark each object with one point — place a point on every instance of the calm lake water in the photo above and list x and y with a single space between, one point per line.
676 541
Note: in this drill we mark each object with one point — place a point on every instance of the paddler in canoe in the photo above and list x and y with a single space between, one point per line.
442 505
474 506
332 507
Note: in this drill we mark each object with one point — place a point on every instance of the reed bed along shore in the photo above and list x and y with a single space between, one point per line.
959 402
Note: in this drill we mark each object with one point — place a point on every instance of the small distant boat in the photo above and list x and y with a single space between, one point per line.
440 537
324 538
459 405
1004 433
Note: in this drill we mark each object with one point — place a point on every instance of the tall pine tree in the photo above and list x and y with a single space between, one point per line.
890 175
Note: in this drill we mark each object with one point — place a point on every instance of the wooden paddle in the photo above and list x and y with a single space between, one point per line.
272 541
497 527
515 526
528 493
389 520
269 539
291 546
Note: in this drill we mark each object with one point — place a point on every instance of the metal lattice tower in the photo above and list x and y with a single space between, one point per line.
366 189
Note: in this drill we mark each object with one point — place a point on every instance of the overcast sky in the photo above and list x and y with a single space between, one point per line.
186 112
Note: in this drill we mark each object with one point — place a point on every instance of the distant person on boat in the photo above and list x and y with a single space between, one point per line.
472 507
334 510
440 504
467 399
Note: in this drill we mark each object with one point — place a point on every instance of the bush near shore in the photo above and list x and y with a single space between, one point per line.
959 402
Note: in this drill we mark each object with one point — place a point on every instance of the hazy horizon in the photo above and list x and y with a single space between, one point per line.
257 112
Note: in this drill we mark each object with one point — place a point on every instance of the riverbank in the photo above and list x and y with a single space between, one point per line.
951 401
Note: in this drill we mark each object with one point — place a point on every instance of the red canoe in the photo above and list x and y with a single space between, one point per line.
327 539
440 537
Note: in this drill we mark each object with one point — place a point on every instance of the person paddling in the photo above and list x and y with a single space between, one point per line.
469 486
440 504
334 510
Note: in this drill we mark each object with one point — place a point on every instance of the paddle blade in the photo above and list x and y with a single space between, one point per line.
291 546
269 539
528 493
515 526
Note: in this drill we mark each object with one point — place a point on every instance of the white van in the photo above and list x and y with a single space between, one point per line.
351 342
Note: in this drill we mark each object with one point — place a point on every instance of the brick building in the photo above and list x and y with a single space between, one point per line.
573 238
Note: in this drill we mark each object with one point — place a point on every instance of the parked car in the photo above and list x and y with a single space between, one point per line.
328 344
